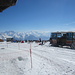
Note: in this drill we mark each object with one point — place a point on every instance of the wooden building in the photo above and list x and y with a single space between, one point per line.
1 40
63 39
9 40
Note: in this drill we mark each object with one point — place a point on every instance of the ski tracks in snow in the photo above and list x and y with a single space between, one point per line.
52 58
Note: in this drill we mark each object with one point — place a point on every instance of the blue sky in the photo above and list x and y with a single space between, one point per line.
43 15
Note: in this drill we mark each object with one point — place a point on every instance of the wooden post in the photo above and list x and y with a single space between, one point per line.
18 46
31 55
7 45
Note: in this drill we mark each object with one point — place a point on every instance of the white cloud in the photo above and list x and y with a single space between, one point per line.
69 23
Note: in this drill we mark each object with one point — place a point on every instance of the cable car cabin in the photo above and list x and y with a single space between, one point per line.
63 39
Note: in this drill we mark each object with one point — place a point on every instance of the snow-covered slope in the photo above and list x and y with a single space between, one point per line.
46 60
31 35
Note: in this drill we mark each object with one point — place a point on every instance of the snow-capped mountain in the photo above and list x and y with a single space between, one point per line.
31 35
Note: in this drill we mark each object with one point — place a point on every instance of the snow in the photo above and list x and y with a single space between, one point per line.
46 60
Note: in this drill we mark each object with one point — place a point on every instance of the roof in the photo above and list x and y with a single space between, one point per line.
64 32
6 3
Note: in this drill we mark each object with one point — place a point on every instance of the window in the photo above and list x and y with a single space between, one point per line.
69 36
59 35
53 35
74 36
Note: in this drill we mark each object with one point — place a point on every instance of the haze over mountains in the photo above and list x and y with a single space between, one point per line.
31 35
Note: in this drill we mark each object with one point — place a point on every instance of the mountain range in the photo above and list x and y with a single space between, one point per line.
30 35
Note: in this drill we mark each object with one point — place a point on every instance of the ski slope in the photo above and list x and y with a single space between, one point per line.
46 60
